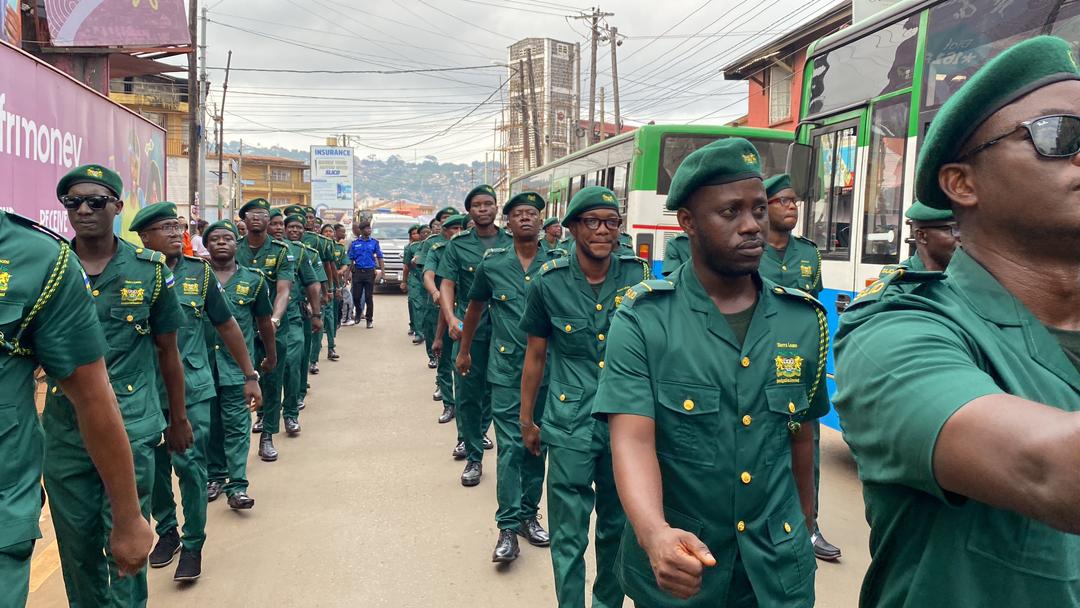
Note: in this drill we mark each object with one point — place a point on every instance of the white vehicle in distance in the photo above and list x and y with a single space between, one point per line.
392 232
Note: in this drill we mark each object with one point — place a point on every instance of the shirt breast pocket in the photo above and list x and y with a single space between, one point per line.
1024 545
11 314
132 393
687 422
787 405
126 325
571 337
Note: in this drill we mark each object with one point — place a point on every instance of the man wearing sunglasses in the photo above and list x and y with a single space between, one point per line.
959 393
135 301
935 235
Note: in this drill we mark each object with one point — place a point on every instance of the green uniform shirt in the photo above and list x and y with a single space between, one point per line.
500 283
546 246
723 413
914 263
274 260
408 257
563 308
676 252
135 299
800 266
307 273
249 296
458 262
907 359
46 318
314 257
205 307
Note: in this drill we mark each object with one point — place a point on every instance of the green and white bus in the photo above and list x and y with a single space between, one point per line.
638 167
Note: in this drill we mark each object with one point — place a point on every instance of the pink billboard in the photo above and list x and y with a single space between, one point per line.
132 23
50 124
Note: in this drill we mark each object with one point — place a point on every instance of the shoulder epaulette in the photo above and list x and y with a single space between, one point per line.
646 288
150 255
894 275
630 257
195 258
279 242
31 224
494 251
553 264
556 253
306 246
439 245
462 233
806 240
792 292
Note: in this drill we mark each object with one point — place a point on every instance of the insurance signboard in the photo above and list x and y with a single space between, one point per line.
331 177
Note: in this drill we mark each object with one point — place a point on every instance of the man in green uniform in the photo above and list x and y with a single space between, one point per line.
445 387
305 316
136 305
499 286
410 282
710 376
959 394
343 265
327 273
272 257
935 236
203 304
248 293
676 252
551 234
568 310
329 309
430 310
457 267
47 319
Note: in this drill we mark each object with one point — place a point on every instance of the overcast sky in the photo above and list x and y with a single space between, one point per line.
674 78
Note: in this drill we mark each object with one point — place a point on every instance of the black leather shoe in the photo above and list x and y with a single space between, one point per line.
447 415
487 443
313 369
266 448
190 566
168 545
332 355
370 324
292 427
437 395
240 501
471 475
823 549
432 363
506 549
533 532
213 490
459 451
258 426
418 339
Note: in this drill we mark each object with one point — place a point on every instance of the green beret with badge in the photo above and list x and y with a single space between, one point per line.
1016 72
477 191
294 217
587 199
777 184
220 225
414 229
723 161
91 174
152 214
253 204
309 211
532 199
919 212
455 220
276 213
294 210
446 211
551 221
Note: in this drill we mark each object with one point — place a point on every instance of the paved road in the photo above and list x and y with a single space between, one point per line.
364 508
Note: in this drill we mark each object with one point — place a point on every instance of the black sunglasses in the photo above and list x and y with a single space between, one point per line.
94 202
1054 136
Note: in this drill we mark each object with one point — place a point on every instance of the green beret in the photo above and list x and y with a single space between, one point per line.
276 213
447 210
253 204
152 214
723 161
91 174
293 210
919 212
481 189
1016 72
455 220
220 225
310 211
775 184
294 217
414 228
587 199
532 199
551 221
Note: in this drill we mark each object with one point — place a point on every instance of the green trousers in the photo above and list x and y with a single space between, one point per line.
83 521
309 341
191 472
271 383
230 439
578 481
15 573
329 328
444 373
295 367
473 400
519 482
817 464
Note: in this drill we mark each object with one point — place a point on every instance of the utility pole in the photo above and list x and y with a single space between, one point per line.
613 34
524 115
572 136
194 136
204 92
240 176
594 38
221 135
602 118
532 102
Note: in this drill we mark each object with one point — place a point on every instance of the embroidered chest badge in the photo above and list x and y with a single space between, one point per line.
243 289
132 295
806 269
191 288
788 364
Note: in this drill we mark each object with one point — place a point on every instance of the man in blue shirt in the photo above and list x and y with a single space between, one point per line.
365 255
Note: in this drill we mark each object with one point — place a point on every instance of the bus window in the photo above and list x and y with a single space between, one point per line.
876 64
962 35
620 174
773 155
831 198
885 183
674 148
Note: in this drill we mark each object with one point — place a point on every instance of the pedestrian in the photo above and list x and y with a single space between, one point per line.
58 329
342 275
248 293
959 393
188 249
197 247
326 270
710 378
935 235
304 317
241 228
136 304
269 255
457 267
567 313
445 389
430 308
501 280
367 269
676 253
409 281
551 234
204 307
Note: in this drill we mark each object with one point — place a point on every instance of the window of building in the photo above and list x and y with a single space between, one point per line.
779 80
280 175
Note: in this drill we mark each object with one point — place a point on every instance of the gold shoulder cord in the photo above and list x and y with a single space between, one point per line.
47 292
823 350
157 284
206 281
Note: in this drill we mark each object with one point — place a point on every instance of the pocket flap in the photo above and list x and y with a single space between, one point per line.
689 399
787 399
676 519
504 296
504 348
565 393
783 528
129 384
10 312
130 314
569 325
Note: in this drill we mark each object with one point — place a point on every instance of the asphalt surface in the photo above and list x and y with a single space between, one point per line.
364 507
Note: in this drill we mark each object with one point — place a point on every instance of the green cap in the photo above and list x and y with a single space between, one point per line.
1016 72
723 161
532 199
91 174
276 213
481 189
455 220
414 228
309 211
294 210
255 203
152 214
587 199
220 225
775 184
446 211
294 217
551 221
919 212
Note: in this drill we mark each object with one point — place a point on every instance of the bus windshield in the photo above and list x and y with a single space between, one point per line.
674 148
390 231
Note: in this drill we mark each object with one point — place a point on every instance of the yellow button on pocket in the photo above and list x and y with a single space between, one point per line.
784 268
217 347
568 328
130 388
601 365
600 337
741 526
778 290
745 477
791 407
130 318
745 362
746 420
96 293
599 307
562 397
54 390
502 349
241 302
503 297
787 527
688 405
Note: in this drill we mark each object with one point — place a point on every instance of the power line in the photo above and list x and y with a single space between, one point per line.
403 71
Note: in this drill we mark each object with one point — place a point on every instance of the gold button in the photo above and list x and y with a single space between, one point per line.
502 349
791 407
502 297
745 362
528 278
130 318
600 337
217 347
96 293
130 388
688 405
599 307
778 290
562 397
54 390
741 526
783 268
568 328
240 301
139 250
601 365
470 268
745 477
787 527
746 420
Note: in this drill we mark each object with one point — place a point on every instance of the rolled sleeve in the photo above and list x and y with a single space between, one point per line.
625 386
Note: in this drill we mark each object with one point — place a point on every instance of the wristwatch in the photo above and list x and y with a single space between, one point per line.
253 377
276 321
